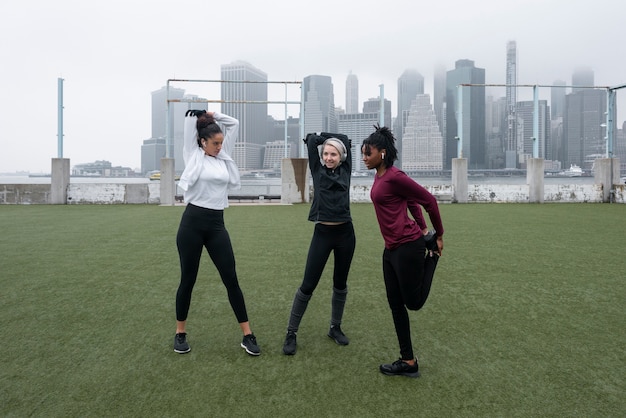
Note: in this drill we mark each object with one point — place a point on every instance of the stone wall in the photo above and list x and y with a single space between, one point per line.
149 193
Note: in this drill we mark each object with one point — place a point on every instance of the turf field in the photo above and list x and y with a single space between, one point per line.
526 317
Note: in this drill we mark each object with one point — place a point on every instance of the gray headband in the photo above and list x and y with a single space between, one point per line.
337 144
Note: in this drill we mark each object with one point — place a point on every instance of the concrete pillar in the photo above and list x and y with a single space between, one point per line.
534 178
294 180
60 180
606 173
168 184
459 180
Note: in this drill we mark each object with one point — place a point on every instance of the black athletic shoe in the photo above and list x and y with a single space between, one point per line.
249 344
400 368
180 343
289 346
336 334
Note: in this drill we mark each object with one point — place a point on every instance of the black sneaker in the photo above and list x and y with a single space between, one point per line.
180 343
289 347
336 334
249 344
400 368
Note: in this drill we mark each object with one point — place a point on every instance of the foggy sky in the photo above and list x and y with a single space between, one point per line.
113 54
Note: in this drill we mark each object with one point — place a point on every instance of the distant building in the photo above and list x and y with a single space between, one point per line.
583 133
557 99
357 126
495 125
422 141
439 96
274 154
319 104
473 129
373 106
525 114
512 142
101 168
352 93
410 84
246 83
293 134
582 77
154 149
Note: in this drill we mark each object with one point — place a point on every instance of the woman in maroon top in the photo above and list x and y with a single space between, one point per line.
409 261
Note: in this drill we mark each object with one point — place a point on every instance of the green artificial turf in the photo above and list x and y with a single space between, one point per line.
525 318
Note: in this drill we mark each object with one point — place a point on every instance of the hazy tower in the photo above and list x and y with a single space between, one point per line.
410 84
319 104
352 94
474 141
439 96
511 144
253 128
557 99
582 76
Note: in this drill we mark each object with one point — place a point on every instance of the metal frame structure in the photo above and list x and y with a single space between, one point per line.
609 114
285 102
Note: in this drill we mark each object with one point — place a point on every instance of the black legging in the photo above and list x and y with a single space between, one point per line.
327 238
200 227
408 277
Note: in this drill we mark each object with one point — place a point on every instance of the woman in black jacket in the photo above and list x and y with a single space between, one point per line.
330 161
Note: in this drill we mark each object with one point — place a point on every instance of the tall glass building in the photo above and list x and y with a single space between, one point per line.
473 129
410 84
242 82
319 104
352 93
422 141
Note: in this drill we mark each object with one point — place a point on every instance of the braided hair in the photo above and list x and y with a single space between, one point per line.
207 127
382 139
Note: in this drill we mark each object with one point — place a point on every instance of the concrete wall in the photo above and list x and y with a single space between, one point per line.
115 193
511 193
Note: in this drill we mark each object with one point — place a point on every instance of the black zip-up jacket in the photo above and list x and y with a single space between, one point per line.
331 188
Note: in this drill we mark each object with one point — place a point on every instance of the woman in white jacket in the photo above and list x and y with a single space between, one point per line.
209 173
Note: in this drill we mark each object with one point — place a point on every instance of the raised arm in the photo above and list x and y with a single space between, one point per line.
231 130
312 141
190 137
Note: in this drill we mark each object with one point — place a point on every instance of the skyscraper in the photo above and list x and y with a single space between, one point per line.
525 115
154 149
357 126
511 145
319 104
159 109
410 84
583 136
422 140
352 94
582 77
557 99
473 129
373 106
439 96
245 83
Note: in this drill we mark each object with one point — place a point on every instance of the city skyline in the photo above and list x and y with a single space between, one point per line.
112 57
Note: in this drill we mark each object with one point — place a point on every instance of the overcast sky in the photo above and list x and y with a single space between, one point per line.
112 54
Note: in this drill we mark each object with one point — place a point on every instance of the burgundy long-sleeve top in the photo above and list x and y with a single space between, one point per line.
393 194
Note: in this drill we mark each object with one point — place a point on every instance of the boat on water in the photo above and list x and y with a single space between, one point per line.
573 171
157 176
